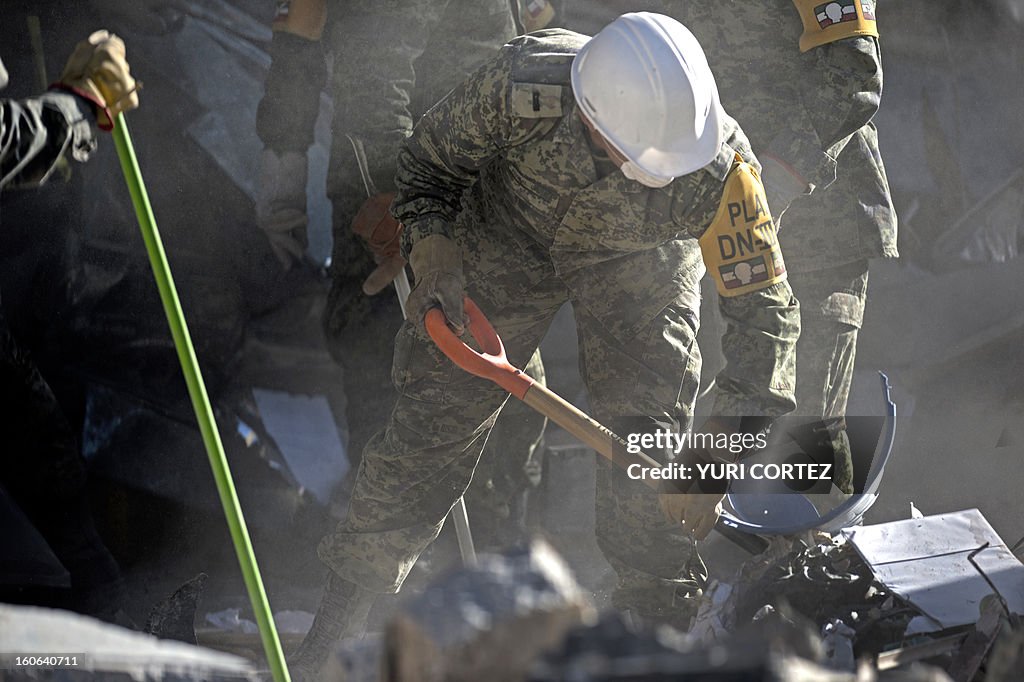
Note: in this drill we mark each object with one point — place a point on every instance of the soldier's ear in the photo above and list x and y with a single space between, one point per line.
3 75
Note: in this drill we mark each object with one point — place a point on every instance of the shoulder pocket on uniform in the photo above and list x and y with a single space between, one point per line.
535 100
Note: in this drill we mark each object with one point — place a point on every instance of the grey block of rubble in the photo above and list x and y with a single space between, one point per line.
616 649
486 623
103 652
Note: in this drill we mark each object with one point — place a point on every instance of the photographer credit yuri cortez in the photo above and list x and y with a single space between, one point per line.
777 459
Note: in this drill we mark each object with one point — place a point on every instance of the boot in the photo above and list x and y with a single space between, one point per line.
342 614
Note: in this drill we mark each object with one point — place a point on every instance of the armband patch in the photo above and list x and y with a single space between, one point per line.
535 14
535 100
827 22
741 248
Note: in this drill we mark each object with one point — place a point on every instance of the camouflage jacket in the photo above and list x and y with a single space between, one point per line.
507 150
812 110
391 61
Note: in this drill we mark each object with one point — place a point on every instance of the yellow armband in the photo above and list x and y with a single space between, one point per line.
535 14
827 22
740 248
304 18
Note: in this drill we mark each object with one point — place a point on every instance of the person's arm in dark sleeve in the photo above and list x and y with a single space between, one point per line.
286 115
741 251
838 93
36 132
376 100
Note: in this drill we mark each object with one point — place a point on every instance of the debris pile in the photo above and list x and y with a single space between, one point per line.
489 622
943 589
826 583
891 602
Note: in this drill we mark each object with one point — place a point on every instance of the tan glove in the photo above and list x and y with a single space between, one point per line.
97 70
697 512
382 233
437 269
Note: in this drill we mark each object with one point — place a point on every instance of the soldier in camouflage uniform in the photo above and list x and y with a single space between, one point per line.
804 78
391 61
505 188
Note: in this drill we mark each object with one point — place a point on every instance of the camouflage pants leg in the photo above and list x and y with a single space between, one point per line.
654 375
414 470
831 313
508 469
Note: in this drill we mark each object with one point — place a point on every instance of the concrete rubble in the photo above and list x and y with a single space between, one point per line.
807 609
488 622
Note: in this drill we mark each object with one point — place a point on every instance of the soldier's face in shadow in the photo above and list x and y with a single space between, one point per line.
598 140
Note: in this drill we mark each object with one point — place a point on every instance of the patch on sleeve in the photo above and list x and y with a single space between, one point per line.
535 14
740 248
827 22
535 100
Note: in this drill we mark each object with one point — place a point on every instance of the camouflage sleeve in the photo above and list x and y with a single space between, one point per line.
36 132
452 143
759 345
286 115
762 326
373 100
839 91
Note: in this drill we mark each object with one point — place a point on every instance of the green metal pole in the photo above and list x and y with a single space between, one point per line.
200 401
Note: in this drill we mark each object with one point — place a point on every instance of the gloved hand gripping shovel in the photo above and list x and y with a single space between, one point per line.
492 364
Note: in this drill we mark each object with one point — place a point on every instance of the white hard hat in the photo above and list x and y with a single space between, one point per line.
645 85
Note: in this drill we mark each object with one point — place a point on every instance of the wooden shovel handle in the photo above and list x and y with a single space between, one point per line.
491 363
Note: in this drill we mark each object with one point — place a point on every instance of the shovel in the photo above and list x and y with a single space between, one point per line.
491 363
458 513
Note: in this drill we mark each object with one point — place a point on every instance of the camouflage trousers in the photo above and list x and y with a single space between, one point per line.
511 463
831 314
414 470
431 47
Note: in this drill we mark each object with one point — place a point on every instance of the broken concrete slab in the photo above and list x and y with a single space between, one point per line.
305 432
488 622
929 563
